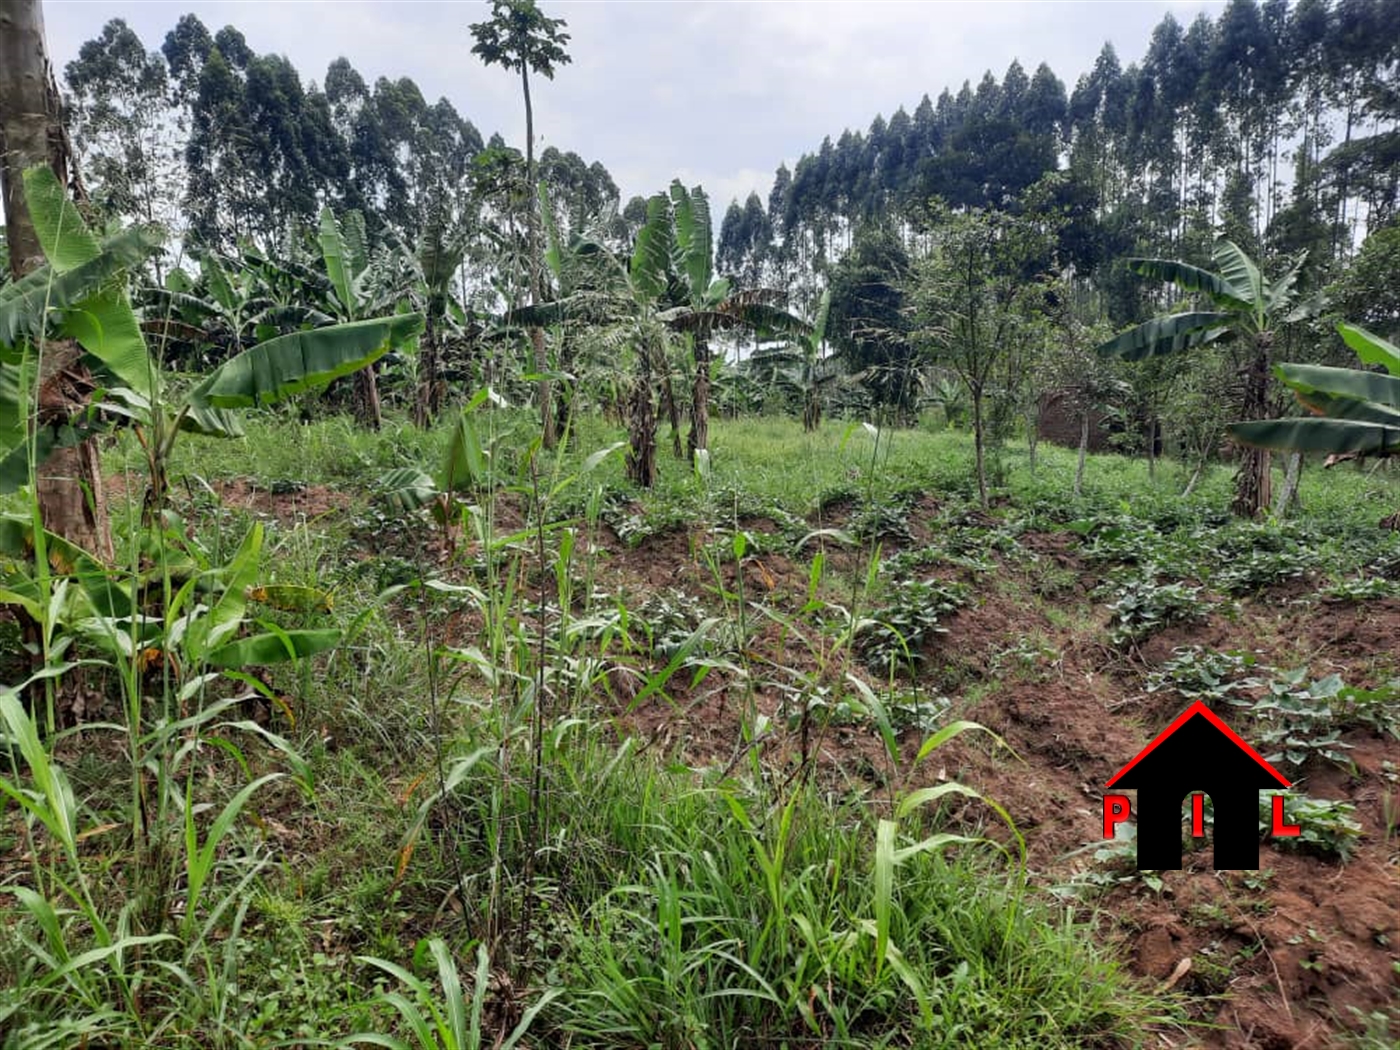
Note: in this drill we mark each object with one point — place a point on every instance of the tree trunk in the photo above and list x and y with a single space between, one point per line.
641 429
69 484
428 402
1033 434
977 444
1083 453
673 414
1253 481
532 234
700 400
1289 493
367 397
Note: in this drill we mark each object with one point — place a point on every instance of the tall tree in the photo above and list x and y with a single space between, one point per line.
123 126
520 37
69 484
974 296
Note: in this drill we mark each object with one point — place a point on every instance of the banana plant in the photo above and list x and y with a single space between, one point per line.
1355 413
1248 309
80 296
434 264
345 251
707 302
466 465
201 632
227 306
810 378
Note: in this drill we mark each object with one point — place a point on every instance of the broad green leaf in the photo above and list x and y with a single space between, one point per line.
694 244
352 229
1166 335
651 256
23 303
1281 292
337 264
1352 383
1191 279
64 236
464 461
217 282
274 647
885 862
105 326
406 488
302 361
554 248
1340 406
1242 273
1372 349
1332 436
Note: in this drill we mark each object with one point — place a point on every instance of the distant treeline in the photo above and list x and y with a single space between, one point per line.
1276 125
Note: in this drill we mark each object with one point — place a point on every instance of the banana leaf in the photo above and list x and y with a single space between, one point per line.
1332 436
301 361
1166 335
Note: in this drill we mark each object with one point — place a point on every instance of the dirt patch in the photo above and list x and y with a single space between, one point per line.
288 503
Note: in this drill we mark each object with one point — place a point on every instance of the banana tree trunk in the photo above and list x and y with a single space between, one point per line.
673 414
428 401
700 399
367 397
1253 481
641 428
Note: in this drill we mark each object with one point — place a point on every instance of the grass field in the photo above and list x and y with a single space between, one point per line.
801 748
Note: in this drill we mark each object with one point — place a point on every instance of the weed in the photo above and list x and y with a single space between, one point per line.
894 634
1142 606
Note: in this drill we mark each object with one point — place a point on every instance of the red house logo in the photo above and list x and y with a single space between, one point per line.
1197 753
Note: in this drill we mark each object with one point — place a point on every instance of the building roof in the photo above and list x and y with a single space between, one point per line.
1206 728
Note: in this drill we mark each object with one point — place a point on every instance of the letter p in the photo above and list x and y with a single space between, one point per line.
1115 811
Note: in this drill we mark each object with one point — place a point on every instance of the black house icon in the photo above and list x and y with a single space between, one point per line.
1198 752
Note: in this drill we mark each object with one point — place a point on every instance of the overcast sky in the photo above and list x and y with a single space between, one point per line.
717 93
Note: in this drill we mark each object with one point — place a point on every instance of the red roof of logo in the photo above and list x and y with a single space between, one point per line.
1199 708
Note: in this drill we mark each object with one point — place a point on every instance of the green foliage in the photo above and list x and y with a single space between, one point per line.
1356 413
896 631
1329 829
1141 606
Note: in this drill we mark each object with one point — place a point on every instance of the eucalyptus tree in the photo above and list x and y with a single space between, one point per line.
1246 312
124 126
520 37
